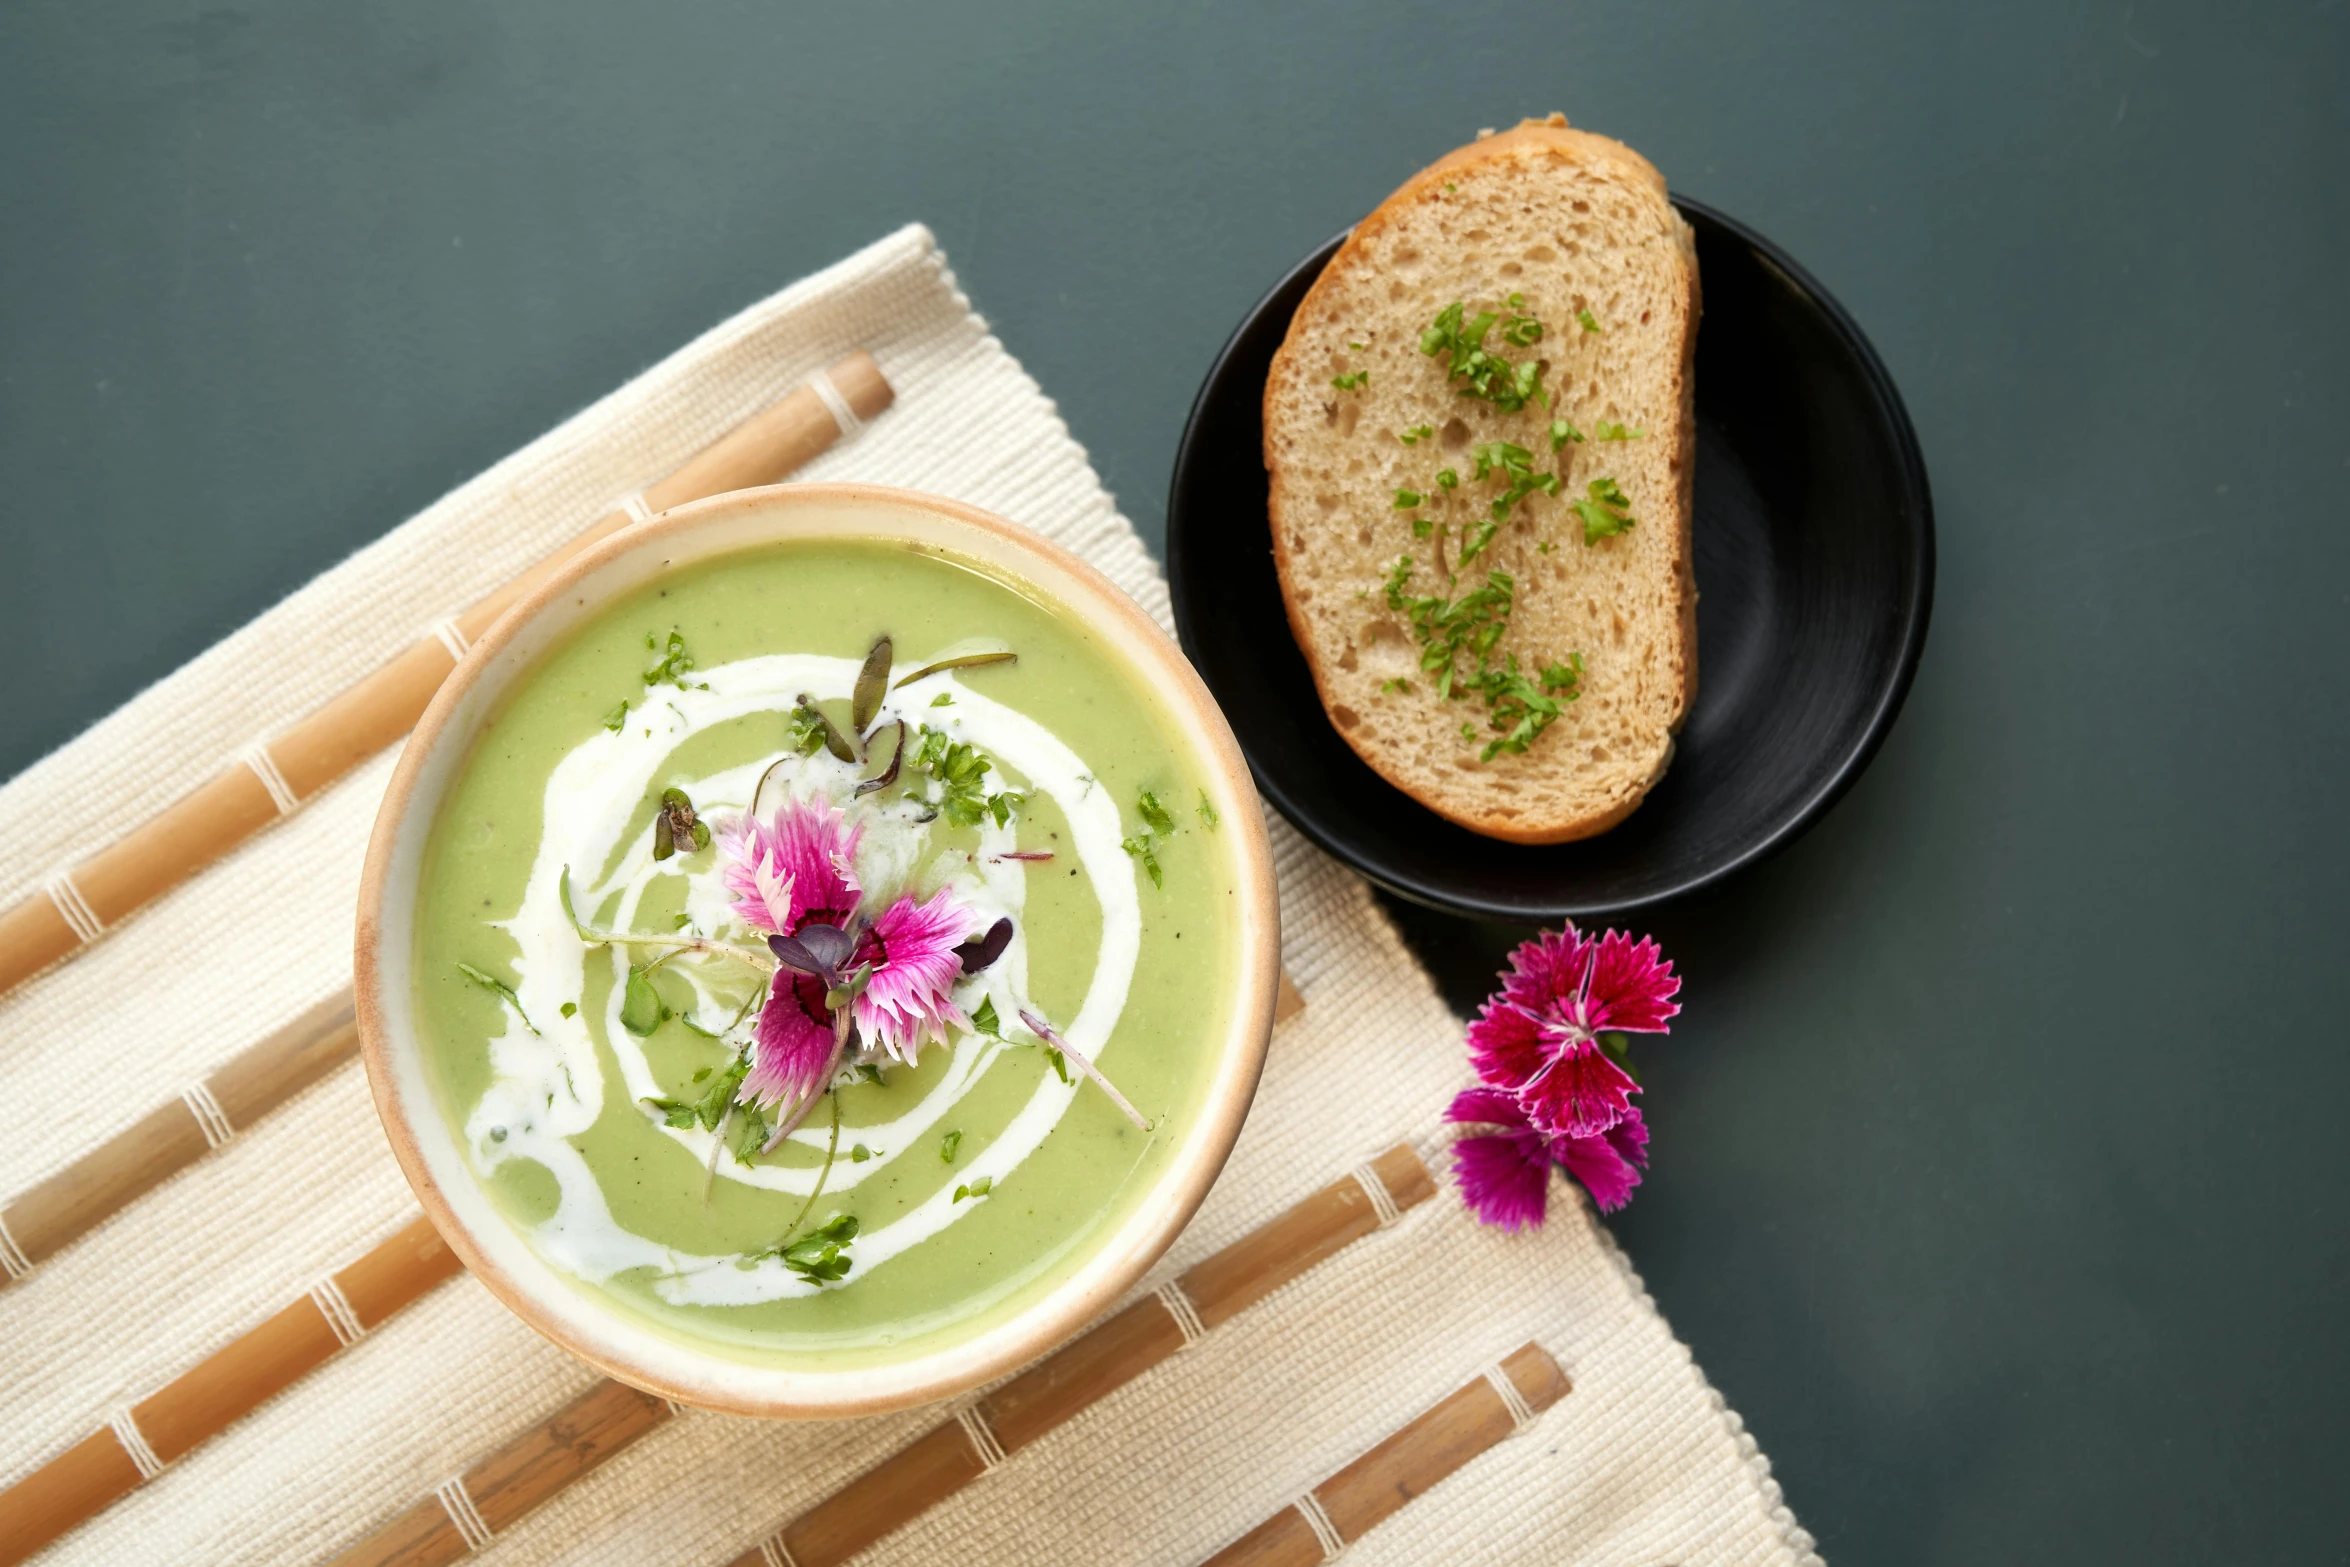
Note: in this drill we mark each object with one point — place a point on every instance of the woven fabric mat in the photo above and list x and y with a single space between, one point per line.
1641 1464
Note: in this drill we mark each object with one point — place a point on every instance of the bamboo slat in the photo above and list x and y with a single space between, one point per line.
1050 1393
76 907
462 1517
1372 1489
232 1383
43 1220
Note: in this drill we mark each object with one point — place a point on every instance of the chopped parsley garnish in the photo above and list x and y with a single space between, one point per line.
1207 810
821 1256
1616 432
1352 380
978 1188
1480 535
1516 464
1561 433
1416 434
1473 623
673 666
1421 528
1390 687
1155 814
810 731
616 719
943 699
1446 479
983 1018
1144 848
1405 500
960 770
948 1146
504 991
1354 348
1461 339
1605 511
1590 321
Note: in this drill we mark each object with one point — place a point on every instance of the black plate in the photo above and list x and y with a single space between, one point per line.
1815 572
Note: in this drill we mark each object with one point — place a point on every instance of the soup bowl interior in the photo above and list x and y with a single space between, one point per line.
493 1248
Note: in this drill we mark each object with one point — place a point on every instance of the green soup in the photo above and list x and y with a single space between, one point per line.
592 1082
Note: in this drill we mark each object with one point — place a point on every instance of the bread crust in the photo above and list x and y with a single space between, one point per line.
1552 138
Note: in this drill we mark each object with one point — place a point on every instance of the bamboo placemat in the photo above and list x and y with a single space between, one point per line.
1643 1464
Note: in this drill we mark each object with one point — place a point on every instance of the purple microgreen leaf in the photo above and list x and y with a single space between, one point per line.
887 775
872 685
981 951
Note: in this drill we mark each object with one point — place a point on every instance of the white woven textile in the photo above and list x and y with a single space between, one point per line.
1641 1464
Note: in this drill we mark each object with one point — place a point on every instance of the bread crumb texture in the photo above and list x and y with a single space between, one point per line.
1575 223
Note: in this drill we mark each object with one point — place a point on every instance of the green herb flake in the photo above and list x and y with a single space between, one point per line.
1207 811
1460 339
1155 814
978 1188
641 1009
1416 434
1353 380
1421 528
674 664
948 1146
505 992
1355 348
821 1257
960 771
859 1154
570 1009
1144 849
1605 511
1472 625
943 699
1561 433
1405 500
1475 542
1606 431
1447 479
617 719
984 1019
1390 687
1590 321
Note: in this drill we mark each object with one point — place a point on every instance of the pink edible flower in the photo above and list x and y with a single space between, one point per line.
907 1002
793 1045
791 871
1538 1037
1504 1174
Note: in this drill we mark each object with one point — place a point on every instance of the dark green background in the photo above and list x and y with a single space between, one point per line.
1999 1175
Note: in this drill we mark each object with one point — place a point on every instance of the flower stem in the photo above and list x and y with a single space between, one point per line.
1046 1032
831 1149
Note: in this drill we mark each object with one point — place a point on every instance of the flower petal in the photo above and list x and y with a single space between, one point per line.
906 1003
1632 986
1546 973
1581 1094
1504 1178
1507 1044
791 1049
818 849
750 862
1486 1107
1607 1166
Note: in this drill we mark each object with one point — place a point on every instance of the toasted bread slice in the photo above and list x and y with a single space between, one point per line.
1579 227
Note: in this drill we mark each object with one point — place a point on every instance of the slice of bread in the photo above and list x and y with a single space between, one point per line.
1579 226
